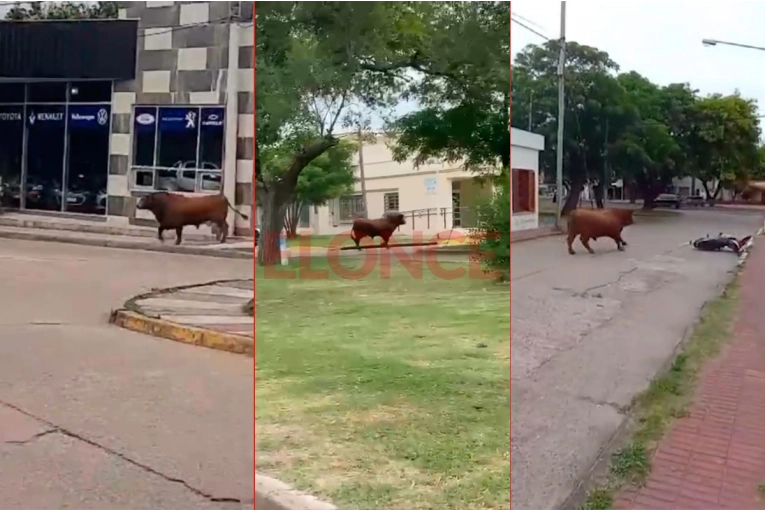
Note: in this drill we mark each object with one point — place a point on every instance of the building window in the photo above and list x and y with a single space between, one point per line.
351 207
47 92
390 202
11 93
90 91
524 191
178 148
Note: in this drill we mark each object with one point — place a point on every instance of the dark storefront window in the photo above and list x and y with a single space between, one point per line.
11 93
88 158
90 92
178 148
11 153
54 145
47 92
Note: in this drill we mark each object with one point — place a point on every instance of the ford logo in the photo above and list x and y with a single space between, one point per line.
145 119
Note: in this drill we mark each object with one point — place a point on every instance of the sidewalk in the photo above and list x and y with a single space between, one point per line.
715 456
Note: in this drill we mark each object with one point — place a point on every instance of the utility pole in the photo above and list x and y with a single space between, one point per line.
531 107
561 113
606 174
361 174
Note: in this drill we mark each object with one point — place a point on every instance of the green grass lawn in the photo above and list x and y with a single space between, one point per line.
386 393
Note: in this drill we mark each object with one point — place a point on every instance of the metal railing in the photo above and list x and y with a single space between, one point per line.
184 180
441 218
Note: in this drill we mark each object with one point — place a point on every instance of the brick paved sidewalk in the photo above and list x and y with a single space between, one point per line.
715 456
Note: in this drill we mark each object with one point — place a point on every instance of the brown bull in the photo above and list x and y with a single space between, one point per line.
174 211
591 224
378 227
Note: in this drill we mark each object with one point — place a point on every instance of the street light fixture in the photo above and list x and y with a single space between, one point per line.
715 42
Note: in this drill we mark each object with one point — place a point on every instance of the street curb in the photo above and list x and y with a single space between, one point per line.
131 317
127 245
281 496
182 333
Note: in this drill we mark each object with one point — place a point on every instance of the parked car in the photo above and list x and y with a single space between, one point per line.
183 177
668 200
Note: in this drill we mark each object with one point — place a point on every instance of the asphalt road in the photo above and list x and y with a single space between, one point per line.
591 331
95 417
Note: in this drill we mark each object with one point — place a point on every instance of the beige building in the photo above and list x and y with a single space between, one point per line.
436 197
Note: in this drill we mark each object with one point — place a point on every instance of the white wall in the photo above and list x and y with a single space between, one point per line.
524 155
383 175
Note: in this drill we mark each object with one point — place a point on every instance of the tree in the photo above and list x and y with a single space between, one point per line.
468 120
727 140
593 108
62 10
326 177
650 152
318 63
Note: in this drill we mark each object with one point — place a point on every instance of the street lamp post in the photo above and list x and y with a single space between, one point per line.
561 114
715 42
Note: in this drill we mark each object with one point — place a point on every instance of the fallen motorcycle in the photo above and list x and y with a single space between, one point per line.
721 242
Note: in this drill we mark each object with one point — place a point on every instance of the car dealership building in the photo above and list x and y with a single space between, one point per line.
96 113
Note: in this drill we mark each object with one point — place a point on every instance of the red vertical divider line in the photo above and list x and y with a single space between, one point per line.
510 252
254 266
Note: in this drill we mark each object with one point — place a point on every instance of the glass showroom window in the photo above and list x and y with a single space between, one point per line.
178 148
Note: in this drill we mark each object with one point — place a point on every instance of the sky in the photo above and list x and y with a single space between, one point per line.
662 40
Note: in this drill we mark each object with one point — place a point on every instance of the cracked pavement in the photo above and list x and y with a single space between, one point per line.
591 331
93 416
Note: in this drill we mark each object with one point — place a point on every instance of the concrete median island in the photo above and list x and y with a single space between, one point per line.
212 315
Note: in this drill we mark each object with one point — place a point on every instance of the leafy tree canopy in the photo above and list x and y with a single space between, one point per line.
61 10
621 125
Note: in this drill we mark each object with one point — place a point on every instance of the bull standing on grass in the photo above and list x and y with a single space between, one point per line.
174 211
591 224
379 227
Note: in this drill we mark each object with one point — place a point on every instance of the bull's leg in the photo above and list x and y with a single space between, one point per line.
223 231
356 239
159 234
620 244
570 242
178 235
385 236
586 242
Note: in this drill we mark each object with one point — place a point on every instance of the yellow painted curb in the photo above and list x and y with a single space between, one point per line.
161 328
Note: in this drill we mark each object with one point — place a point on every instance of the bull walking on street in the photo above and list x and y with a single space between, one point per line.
174 211
592 224
379 227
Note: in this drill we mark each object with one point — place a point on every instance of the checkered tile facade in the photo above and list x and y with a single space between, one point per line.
183 59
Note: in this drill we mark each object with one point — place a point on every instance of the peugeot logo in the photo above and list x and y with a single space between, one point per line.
191 118
102 116
32 118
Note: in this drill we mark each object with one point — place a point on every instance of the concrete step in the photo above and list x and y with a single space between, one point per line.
29 221
189 246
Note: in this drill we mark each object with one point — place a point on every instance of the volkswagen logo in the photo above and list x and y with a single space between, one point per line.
102 116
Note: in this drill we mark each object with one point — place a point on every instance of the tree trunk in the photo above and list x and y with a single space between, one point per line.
572 199
274 210
292 219
650 192
599 198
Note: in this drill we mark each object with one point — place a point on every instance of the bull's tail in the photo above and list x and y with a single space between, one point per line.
244 216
